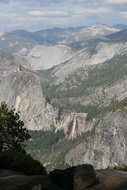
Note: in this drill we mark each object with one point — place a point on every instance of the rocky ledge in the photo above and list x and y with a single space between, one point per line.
75 178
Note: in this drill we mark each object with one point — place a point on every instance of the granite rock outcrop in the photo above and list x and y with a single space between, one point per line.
22 89
107 148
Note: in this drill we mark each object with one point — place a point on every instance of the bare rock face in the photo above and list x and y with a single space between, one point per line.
22 89
104 95
76 155
118 91
108 147
83 58
44 57
74 124
95 31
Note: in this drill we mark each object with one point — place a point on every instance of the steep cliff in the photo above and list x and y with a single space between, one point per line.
22 89
83 58
74 124
107 147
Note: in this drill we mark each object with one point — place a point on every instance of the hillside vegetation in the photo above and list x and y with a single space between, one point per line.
85 82
50 147
99 75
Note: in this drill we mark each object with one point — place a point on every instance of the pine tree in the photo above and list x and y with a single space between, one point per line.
12 131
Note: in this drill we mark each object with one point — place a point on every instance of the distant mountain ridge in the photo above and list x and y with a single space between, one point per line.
15 41
120 26
95 31
118 36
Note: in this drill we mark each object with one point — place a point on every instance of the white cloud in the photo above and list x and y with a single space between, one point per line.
8 16
31 14
124 14
48 13
81 11
116 1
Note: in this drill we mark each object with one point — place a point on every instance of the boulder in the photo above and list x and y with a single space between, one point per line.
74 178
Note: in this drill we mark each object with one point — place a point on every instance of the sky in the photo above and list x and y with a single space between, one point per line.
33 15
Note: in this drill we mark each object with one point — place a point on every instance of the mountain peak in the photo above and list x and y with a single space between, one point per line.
99 29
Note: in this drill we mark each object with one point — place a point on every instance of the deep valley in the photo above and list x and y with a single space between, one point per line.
71 90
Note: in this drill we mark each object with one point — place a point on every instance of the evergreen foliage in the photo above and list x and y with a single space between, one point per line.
21 163
122 168
12 131
50 148
99 75
43 140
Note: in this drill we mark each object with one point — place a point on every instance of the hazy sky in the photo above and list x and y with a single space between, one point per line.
33 15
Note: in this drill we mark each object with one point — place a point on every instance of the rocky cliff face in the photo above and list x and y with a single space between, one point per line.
95 31
21 88
84 58
45 57
13 43
104 95
74 124
107 147
66 61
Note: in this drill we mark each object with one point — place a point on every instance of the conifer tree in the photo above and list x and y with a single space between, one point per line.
12 131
